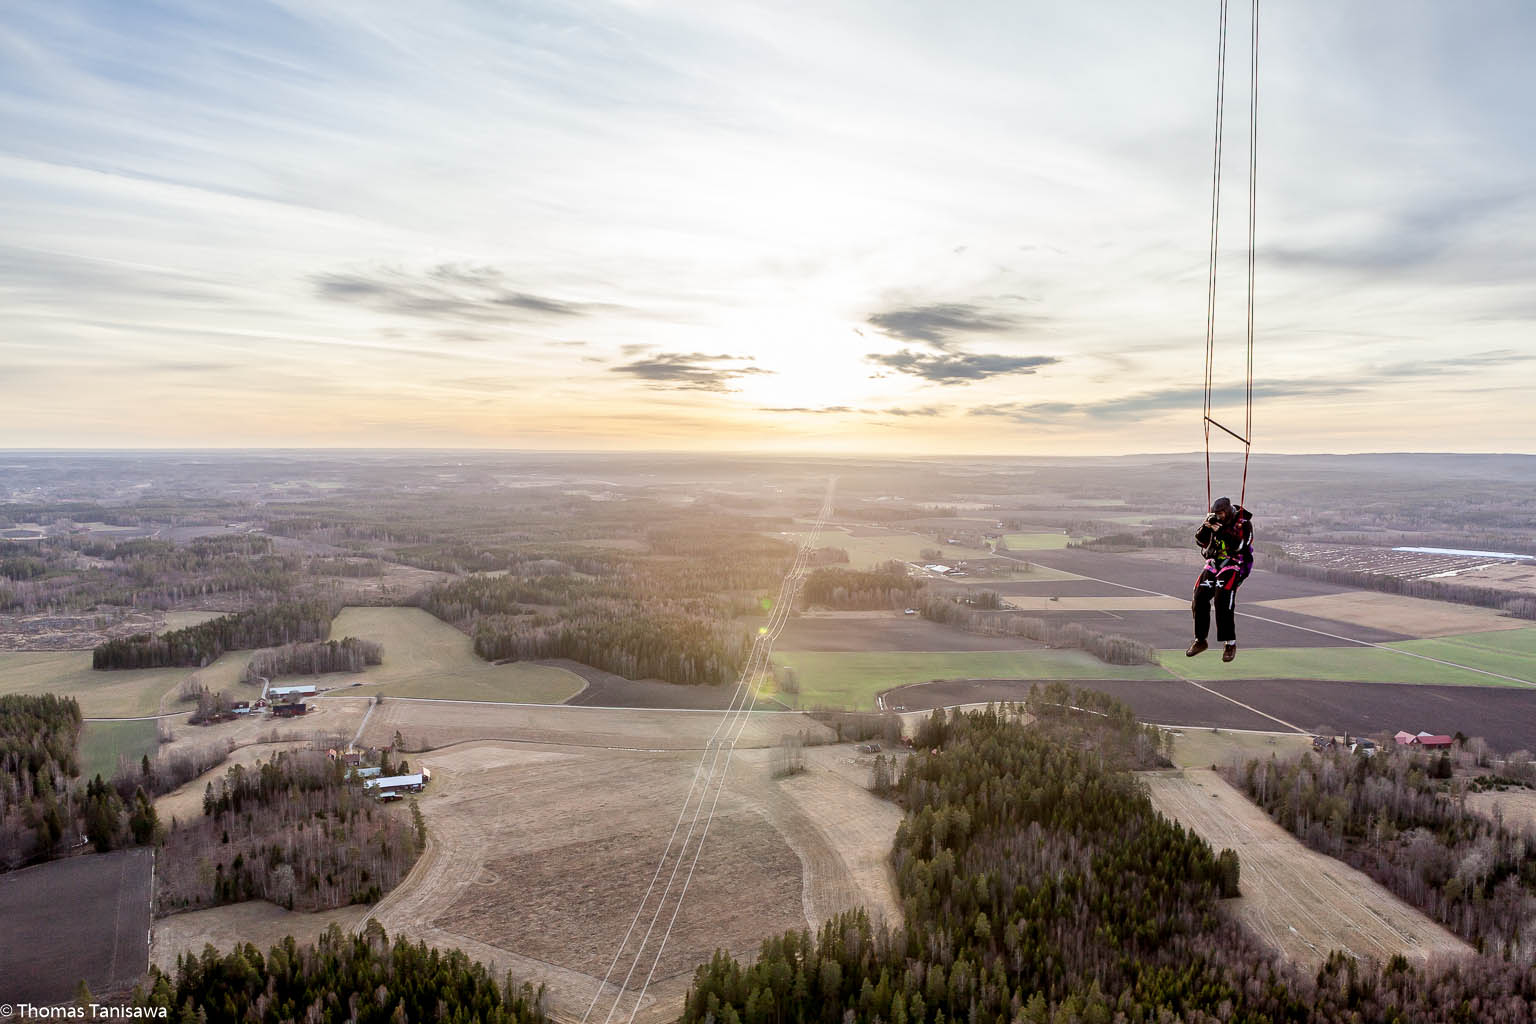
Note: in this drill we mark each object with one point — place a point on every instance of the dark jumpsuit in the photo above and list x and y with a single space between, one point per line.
1228 554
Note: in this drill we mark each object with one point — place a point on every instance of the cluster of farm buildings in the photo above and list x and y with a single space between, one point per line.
1404 738
368 768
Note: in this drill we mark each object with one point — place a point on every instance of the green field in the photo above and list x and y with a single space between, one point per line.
117 694
1035 541
426 657
853 679
1348 664
1509 652
102 742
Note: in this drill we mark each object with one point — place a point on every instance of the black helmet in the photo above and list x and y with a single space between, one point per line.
1221 505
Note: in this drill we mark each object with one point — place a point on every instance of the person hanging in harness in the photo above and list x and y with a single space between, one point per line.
1226 541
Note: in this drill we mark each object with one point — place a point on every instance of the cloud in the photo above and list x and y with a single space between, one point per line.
923 410
804 409
959 367
934 324
447 290
687 372
1151 403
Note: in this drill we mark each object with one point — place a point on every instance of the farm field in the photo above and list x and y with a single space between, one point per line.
1350 664
1201 748
257 921
1035 541
1301 903
128 693
1413 616
183 619
540 856
868 552
102 935
102 743
852 680
426 657
883 631
1507 652
435 724
1126 601
1516 806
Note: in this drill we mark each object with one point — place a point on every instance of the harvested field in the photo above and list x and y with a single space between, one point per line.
257 921
101 935
120 694
885 631
1301 903
1411 616
173 620
1160 701
1201 748
434 724
852 680
607 690
540 855
426 657
866 552
1516 806
69 631
1125 601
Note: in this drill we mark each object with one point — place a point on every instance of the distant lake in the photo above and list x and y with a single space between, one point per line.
1469 554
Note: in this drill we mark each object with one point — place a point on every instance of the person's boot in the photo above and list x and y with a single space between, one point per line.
1229 653
1195 648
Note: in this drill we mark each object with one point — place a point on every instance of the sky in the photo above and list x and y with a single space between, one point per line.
888 227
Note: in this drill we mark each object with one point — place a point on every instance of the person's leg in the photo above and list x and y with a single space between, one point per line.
1226 616
1200 608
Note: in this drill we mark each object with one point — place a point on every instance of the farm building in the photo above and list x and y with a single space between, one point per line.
391 786
370 772
1422 739
290 692
293 710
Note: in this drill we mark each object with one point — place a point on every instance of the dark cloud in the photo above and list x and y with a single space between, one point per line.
934 324
448 290
687 371
958 367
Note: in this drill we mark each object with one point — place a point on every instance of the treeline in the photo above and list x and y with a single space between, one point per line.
348 654
352 568
294 831
1521 606
1039 885
888 586
1391 817
978 617
38 765
359 978
289 622
634 640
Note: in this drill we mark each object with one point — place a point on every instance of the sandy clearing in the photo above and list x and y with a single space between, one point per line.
259 922
425 724
1298 901
1414 616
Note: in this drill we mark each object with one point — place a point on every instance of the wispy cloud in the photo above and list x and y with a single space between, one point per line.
688 371
959 368
922 410
812 411
1152 403
446 290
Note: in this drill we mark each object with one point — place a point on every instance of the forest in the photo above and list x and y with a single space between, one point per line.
1398 818
38 766
348 654
1039 885
888 586
361 978
294 831
196 646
